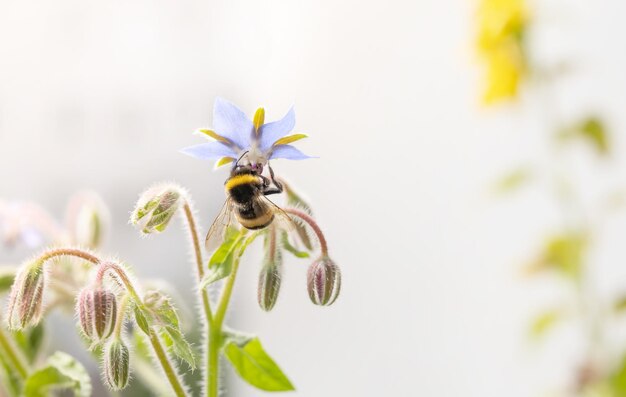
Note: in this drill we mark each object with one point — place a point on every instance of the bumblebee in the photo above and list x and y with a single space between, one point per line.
246 191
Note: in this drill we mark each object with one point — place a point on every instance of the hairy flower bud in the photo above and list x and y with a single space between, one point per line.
323 281
269 283
97 313
156 207
116 365
26 298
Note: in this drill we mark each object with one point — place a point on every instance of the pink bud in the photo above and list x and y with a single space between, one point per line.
26 298
97 312
323 281
269 284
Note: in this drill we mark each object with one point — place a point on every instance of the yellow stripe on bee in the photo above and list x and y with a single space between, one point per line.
241 180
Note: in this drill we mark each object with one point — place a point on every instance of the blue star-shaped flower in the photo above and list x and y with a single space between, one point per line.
234 134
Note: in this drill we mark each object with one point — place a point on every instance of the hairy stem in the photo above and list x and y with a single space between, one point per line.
215 332
206 302
121 313
212 346
212 387
69 252
13 355
168 368
318 232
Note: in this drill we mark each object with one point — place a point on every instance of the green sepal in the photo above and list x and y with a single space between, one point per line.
61 371
176 342
255 366
141 319
290 248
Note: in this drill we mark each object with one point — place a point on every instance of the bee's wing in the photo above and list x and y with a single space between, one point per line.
281 218
215 235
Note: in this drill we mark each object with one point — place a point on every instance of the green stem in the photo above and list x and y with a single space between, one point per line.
14 356
168 368
206 302
212 342
215 332
121 314
213 347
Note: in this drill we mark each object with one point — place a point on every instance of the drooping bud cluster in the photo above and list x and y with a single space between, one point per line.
26 298
156 207
269 282
323 281
116 364
97 313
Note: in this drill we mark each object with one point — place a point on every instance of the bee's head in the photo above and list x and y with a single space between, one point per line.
246 165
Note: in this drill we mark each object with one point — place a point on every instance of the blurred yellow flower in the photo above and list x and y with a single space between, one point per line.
501 26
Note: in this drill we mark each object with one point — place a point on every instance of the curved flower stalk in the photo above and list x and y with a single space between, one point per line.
234 134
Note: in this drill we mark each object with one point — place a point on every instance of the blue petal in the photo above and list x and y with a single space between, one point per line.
209 151
232 123
288 152
271 132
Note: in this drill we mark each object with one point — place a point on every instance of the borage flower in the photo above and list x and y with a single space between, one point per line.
234 134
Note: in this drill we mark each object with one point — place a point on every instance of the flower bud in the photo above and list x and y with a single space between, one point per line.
87 219
323 281
97 313
156 207
26 298
116 365
269 284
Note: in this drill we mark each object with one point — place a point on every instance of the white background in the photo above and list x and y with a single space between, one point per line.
102 95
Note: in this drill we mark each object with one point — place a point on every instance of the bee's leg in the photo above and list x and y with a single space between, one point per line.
272 190
276 183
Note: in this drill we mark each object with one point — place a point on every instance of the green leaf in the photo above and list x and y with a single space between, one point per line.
545 322
290 248
512 180
221 263
30 340
61 371
141 319
9 378
590 129
7 275
161 306
231 238
255 367
237 337
563 253
176 341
